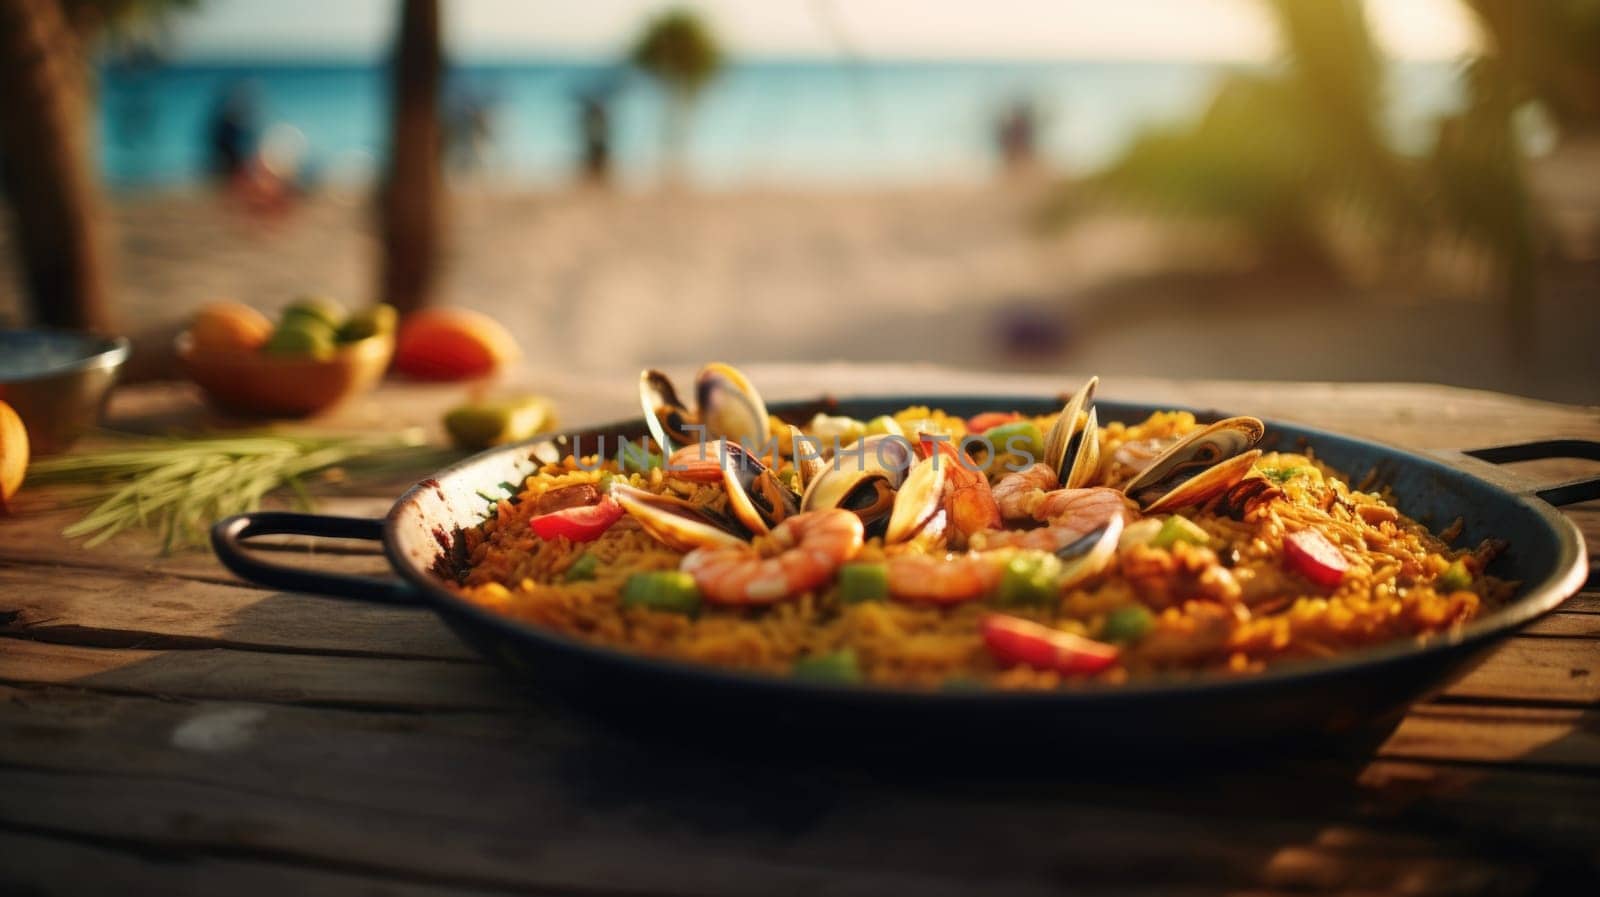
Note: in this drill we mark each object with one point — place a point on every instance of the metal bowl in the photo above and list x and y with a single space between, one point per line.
58 382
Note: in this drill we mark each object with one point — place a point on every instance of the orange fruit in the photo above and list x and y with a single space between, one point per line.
452 344
13 454
229 326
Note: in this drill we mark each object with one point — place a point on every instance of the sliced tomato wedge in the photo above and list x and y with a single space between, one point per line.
983 423
1013 640
583 524
1310 554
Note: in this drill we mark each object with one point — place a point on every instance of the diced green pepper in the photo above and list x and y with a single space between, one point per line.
837 666
863 582
606 478
1455 578
1030 577
636 460
1015 438
1141 532
582 569
1127 624
1179 528
671 591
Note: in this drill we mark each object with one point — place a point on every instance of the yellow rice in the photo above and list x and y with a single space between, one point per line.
1388 593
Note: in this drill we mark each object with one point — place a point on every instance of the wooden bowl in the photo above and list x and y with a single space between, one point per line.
262 385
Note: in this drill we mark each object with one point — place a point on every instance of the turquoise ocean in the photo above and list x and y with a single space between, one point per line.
761 122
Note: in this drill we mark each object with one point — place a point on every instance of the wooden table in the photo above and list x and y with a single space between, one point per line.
167 729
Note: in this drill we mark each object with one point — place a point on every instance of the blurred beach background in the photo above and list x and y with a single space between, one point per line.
1257 189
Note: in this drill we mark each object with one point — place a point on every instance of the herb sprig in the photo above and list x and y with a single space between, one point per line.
179 486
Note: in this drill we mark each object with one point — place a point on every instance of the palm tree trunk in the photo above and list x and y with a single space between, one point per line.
412 198
47 165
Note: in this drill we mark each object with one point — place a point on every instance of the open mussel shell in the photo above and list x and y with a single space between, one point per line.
807 456
664 413
1088 556
1205 485
1072 447
868 494
917 500
678 524
756 495
885 453
729 406
1198 466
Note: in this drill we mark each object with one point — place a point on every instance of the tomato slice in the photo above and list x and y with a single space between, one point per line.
1013 640
583 524
988 420
1310 554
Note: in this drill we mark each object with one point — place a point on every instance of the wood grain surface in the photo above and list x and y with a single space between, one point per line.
166 729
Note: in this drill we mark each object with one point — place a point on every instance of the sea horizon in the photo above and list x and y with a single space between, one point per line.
764 120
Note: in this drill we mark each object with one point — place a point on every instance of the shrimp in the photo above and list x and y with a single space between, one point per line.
1070 514
968 503
943 579
1017 493
810 548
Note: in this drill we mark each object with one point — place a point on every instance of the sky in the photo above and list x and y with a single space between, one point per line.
1119 29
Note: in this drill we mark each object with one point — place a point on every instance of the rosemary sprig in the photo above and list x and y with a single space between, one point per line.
179 486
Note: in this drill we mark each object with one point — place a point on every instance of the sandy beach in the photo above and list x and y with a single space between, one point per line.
602 282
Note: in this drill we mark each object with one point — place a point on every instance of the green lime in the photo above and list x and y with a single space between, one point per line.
301 336
369 322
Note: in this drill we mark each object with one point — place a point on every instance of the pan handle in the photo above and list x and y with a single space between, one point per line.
1568 493
228 537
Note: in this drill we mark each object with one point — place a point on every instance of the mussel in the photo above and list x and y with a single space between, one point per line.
874 479
917 502
680 525
806 454
756 494
1072 448
869 494
1089 555
727 406
1198 466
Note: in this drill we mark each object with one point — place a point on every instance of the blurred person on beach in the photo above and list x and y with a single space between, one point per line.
256 167
594 131
233 130
1016 137
469 129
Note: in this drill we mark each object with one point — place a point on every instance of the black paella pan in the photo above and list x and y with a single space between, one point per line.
1358 692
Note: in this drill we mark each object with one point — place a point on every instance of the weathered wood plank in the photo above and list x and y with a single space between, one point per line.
1564 739
1583 603
1536 669
41 864
498 803
1572 625
34 537
114 609
260 676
